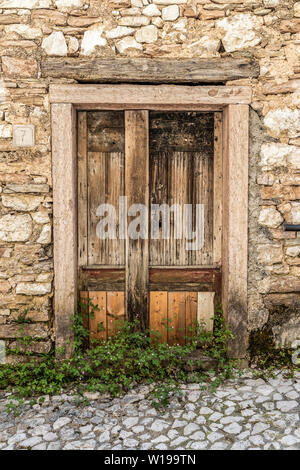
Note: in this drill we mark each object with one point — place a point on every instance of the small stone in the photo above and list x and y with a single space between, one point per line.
31 288
147 34
256 440
119 32
132 443
170 13
233 428
159 425
286 406
128 43
189 428
55 44
134 21
151 10
15 228
92 39
61 422
14 67
130 422
270 217
30 442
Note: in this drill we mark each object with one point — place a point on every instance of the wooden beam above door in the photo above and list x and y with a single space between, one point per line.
150 70
164 97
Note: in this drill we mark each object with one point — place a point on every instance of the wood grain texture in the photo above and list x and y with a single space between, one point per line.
149 97
191 302
181 172
153 70
176 318
64 223
82 185
98 316
235 226
137 191
159 316
206 310
115 311
218 189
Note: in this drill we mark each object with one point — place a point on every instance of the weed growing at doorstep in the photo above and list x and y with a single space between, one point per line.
115 365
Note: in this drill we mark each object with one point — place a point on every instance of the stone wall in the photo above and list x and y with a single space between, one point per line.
267 30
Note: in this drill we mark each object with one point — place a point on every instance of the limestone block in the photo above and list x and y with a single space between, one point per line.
134 21
147 34
293 251
119 32
91 39
33 288
45 236
55 44
270 217
128 43
170 2
240 32
206 47
170 13
295 213
67 4
27 4
73 45
14 67
269 254
15 228
275 155
151 10
24 30
26 329
21 202
283 119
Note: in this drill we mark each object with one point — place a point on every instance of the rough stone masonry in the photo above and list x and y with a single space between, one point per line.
266 30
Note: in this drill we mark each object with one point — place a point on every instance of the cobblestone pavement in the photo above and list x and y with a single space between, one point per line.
244 413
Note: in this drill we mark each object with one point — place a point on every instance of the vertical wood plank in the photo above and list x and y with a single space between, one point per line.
63 119
176 318
206 310
191 314
235 226
84 311
137 191
159 315
98 320
115 311
218 189
82 195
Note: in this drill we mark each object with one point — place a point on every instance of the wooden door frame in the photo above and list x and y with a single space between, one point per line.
233 104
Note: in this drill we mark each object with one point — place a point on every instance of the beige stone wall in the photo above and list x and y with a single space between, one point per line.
267 30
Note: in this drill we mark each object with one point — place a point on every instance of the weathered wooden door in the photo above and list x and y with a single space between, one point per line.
149 219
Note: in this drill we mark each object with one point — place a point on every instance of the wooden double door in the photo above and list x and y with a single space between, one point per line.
149 219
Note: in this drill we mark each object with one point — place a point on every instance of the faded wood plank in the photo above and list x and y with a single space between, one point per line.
181 177
235 226
115 311
137 191
159 316
153 70
98 318
147 96
218 188
82 191
206 310
64 223
84 311
191 302
176 318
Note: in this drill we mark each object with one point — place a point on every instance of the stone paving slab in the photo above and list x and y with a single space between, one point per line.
244 413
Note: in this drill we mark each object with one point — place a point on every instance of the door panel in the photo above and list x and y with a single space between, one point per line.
151 158
105 176
181 172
